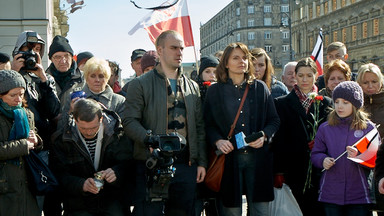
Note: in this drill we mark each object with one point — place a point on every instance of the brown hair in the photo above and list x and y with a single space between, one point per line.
359 119
306 62
161 38
337 65
222 70
336 46
269 71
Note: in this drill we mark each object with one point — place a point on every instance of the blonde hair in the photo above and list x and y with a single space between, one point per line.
359 118
370 67
269 70
96 64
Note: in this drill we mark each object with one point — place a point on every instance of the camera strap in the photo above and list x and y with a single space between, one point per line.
238 113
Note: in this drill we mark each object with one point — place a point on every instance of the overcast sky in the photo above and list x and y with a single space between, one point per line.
102 27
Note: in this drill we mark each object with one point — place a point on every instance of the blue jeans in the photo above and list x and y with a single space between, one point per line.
246 168
346 210
181 193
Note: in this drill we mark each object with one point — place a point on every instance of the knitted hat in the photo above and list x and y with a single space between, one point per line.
148 59
10 79
83 56
59 44
137 53
207 61
4 58
350 91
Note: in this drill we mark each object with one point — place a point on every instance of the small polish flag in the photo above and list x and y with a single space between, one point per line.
367 146
317 53
172 18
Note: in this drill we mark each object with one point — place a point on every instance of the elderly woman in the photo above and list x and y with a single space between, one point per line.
248 169
265 72
292 143
335 72
17 137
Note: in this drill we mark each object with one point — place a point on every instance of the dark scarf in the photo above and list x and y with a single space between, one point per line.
20 128
62 78
304 99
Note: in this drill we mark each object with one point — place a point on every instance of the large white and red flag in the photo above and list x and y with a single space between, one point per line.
171 18
367 146
317 53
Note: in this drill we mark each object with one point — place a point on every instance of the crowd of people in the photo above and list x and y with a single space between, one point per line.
142 148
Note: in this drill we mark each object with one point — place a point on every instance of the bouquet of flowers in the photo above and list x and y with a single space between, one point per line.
314 126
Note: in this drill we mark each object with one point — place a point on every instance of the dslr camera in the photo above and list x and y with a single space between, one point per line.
159 164
29 56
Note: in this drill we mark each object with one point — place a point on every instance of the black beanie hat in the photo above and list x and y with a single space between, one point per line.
83 56
207 61
350 91
10 79
59 44
4 58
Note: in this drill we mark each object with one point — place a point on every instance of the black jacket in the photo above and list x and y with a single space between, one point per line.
72 165
220 108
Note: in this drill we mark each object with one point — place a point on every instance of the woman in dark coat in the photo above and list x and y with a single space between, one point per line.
247 169
17 138
293 142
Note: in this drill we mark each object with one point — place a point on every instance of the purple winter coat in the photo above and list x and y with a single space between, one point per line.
345 182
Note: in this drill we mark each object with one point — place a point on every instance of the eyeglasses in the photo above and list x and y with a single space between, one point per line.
66 57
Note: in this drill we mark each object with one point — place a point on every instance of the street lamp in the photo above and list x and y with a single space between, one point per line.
284 25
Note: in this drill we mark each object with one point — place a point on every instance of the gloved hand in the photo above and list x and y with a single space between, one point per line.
278 180
311 144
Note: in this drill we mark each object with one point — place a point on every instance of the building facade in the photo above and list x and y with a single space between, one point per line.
359 24
42 16
256 23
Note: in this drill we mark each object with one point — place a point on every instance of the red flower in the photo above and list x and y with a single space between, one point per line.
207 83
319 97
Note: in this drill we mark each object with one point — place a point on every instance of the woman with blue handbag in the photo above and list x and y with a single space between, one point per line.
17 138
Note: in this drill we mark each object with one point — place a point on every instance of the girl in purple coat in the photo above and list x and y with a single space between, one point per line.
343 187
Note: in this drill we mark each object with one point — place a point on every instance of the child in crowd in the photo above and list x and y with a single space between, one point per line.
343 187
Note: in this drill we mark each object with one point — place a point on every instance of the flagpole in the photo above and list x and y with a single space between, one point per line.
196 60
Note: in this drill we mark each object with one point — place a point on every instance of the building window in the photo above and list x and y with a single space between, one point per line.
311 42
335 36
326 40
318 10
267 9
238 37
238 24
237 11
342 3
285 21
354 33
251 9
376 27
267 35
267 21
251 22
344 35
251 35
285 34
250 47
365 30
284 8
310 13
285 48
326 8
334 5
268 48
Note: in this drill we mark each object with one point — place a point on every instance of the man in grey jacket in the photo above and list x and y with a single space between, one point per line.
163 100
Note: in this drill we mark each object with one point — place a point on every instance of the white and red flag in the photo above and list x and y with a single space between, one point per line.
171 18
367 146
317 53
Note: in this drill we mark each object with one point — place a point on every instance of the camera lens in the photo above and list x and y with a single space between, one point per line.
30 62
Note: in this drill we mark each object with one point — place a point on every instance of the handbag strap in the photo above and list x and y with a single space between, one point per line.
238 113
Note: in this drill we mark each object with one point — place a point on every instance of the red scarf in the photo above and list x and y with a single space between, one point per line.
304 99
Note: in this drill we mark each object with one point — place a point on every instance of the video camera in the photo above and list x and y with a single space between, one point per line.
30 56
159 165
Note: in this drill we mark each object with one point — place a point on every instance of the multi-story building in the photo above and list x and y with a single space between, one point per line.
257 23
359 24
42 16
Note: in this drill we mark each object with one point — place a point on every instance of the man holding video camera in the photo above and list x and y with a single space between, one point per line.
166 102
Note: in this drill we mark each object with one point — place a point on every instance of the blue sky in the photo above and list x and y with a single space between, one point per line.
101 27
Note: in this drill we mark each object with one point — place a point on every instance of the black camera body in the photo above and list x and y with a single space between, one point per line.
30 56
159 164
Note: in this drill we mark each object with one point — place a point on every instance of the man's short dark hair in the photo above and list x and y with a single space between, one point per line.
161 38
86 110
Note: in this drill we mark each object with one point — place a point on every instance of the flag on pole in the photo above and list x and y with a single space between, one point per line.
367 146
172 18
317 53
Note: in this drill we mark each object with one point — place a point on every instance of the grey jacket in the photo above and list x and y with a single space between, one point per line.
146 109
